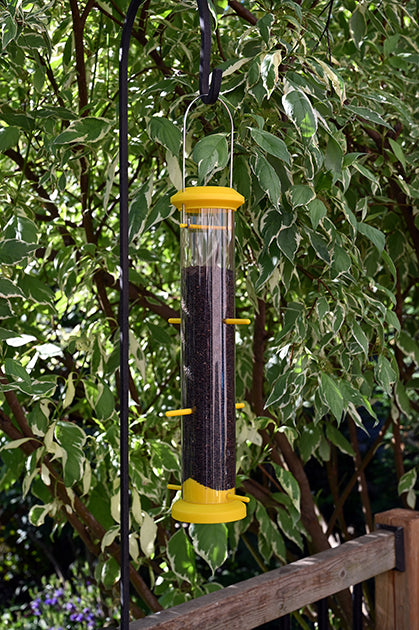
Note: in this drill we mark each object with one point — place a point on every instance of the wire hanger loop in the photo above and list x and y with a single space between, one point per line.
224 104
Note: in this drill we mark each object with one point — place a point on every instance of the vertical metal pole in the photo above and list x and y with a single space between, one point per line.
285 623
124 303
357 607
323 614
124 307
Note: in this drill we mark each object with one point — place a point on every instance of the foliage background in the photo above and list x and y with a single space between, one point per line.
324 96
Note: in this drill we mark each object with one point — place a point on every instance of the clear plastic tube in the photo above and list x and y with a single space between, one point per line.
207 342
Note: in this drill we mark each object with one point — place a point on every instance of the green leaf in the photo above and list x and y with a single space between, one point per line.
72 439
268 179
350 158
148 533
278 390
211 154
162 130
21 228
162 456
16 371
13 251
287 241
334 156
271 144
88 130
38 513
37 290
403 399
105 402
373 234
38 78
398 152
337 438
366 173
264 25
9 31
301 195
408 345
9 137
299 109
385 374
287 525
341 260
267 265
270 540
210 543
110 572
33 41
357 27
309 441
406 484
181 556
332 396
317 211
393 320
269 71
272 222
320 246
9 290
289 484
360 338
137 215
368 114
38 421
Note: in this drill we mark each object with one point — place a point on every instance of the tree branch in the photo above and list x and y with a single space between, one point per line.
242 12
34 179
368 457
74 510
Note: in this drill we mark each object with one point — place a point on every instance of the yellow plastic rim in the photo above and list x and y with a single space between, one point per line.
196 197
211 513
201 504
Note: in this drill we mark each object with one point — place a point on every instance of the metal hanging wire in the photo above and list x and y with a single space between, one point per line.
184 139
183 219
209 95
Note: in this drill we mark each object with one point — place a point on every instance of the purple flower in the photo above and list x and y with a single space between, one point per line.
35 607
51 601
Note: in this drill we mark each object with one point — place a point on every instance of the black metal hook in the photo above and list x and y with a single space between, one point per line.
209 94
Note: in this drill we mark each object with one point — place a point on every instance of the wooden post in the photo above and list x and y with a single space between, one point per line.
396 592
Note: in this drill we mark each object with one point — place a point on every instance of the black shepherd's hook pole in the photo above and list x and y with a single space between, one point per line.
124 306
208 95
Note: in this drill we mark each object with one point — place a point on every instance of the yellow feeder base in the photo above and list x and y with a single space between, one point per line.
201 504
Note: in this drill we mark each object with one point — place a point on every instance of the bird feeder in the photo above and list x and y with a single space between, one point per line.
208 353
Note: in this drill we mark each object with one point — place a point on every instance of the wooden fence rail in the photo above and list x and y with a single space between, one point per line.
272 595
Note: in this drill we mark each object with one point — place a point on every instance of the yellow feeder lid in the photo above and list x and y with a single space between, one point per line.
196 197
